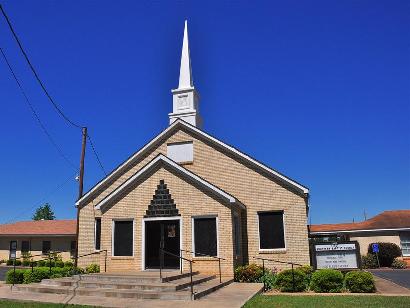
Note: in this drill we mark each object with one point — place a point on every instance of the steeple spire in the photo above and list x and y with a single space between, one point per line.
185 72
185 98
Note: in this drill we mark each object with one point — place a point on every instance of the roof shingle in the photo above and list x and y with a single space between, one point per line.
40 227
386 220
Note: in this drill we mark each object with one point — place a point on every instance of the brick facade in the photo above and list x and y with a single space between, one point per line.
256 190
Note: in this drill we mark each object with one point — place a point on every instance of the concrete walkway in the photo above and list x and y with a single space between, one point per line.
234 295
387 287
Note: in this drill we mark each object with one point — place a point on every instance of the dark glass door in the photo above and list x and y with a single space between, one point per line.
162 234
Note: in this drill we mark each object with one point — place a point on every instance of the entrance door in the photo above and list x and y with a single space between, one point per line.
162 234
13 249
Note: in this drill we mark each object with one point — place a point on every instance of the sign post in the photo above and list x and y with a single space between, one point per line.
375 248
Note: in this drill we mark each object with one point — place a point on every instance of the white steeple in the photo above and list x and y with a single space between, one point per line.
185 98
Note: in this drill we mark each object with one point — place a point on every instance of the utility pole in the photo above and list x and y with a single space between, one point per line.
80 189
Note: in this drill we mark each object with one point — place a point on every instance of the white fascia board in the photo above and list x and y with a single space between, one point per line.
175 166
200 132
357 231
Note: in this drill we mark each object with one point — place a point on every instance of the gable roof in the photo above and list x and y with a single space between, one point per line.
40 227
175 125
162 159
387 220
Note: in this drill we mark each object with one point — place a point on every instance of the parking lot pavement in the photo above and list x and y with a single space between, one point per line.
398 276
3 271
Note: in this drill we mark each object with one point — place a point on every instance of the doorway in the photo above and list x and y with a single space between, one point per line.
163 234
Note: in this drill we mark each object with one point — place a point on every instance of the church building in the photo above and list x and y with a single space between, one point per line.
194 196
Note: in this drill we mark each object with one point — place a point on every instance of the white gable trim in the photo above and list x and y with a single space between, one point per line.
175 166
200 132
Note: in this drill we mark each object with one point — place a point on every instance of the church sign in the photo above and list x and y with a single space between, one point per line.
343 255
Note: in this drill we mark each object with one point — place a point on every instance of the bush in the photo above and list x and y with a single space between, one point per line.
268 279
41 263
284 281
92 268
68 264
17 278
26 262
248 273
369 261
49 262
59 264
399 264
360 282
38 274
387 253
10 262
327 280
18 262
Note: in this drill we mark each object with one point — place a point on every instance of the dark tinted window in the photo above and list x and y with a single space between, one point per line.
25 246
123 238
46 247
205 236
271 235
97 233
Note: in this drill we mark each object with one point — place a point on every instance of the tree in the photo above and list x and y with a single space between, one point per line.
44 212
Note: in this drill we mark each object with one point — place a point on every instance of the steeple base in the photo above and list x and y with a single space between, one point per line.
191 117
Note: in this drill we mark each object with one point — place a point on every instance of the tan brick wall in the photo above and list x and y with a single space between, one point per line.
62 244
255 190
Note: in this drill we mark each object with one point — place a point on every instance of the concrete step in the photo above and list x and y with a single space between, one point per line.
153 286
40 288
135 294
209 287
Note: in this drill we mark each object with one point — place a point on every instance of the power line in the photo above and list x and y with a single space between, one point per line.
58 109
50 138
66 118
96 155
57 188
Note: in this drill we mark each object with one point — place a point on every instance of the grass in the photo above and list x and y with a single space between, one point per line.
15 304
348 301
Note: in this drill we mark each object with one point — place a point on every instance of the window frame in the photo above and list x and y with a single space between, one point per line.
95 233
284 232
42 248
193 234
405 238
133 236
29 246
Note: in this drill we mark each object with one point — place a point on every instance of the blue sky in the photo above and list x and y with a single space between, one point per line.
319 90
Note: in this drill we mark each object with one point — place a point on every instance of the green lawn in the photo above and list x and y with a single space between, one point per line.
13 304
349 301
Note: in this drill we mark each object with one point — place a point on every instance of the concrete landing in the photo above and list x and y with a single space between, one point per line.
234 295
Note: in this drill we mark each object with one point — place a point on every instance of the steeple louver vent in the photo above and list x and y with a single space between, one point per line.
162 204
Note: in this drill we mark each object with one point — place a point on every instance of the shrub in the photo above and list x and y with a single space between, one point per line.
92 268
399 264
17 278
49 262
327 280
26 262
41 263
56 275
369 261
284 281
38 274
308 270
18 262
248 273
387 253
59 263
360 282
68 264
26 256
2 261
268 279
10 262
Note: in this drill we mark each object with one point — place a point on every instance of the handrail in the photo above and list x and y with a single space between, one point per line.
284 262
161 265
95 252
205 255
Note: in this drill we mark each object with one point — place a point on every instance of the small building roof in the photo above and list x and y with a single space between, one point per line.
387 220
40 228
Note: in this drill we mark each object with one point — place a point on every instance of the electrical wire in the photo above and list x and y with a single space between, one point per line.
44 199
32 109
96 155
58 109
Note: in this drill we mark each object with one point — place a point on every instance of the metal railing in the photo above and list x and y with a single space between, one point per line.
205 255
162 252
97 252
278 261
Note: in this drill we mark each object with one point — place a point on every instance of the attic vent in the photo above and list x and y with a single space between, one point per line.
182 152
162 204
